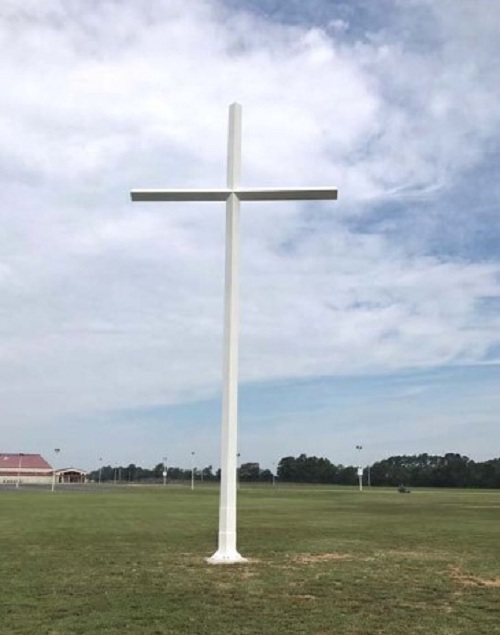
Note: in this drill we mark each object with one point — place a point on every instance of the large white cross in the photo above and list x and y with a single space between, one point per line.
232 194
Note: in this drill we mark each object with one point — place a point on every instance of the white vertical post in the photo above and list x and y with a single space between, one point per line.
56 450
192 470
226 552
360 469
164 470
238 471
19 470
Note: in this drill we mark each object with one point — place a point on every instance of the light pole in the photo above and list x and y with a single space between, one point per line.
238 470
100 469
360 469
192 470
56 450
19 469
164 470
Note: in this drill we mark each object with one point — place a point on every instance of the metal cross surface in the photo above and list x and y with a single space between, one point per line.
232 194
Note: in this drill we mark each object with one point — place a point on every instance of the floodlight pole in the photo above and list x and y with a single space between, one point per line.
19 469
192 471
360 469
56 450
238 471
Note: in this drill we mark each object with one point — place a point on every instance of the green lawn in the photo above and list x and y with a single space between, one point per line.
130 560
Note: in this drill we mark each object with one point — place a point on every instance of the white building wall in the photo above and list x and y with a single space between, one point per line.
12 479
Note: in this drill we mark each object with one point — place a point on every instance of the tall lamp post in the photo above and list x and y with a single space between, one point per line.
192 470
19 469
238 470
360 469
164 470
100 469
56 450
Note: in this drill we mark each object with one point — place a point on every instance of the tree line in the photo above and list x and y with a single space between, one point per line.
427 470
422 470
248 472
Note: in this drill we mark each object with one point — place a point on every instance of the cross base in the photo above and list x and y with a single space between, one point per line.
226 557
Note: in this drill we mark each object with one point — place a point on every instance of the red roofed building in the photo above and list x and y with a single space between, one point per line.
24 468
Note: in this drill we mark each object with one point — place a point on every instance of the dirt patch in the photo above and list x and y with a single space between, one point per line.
246 574
413 554
314 558
472 580
496 507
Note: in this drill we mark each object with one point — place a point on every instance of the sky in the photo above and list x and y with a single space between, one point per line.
373 320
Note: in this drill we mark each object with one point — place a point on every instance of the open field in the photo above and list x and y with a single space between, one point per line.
129 560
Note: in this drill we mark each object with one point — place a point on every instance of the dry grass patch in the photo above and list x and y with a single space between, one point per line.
423 555
315 558
459 576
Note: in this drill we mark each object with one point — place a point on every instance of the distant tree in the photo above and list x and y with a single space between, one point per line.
346 475
208 473
287 470
304 469
158 470
266 476
249 472
130 472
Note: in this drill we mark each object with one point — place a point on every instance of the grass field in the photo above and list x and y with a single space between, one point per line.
130 560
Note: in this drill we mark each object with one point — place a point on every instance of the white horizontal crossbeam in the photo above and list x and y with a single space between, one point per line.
244 194
286 194
180 195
